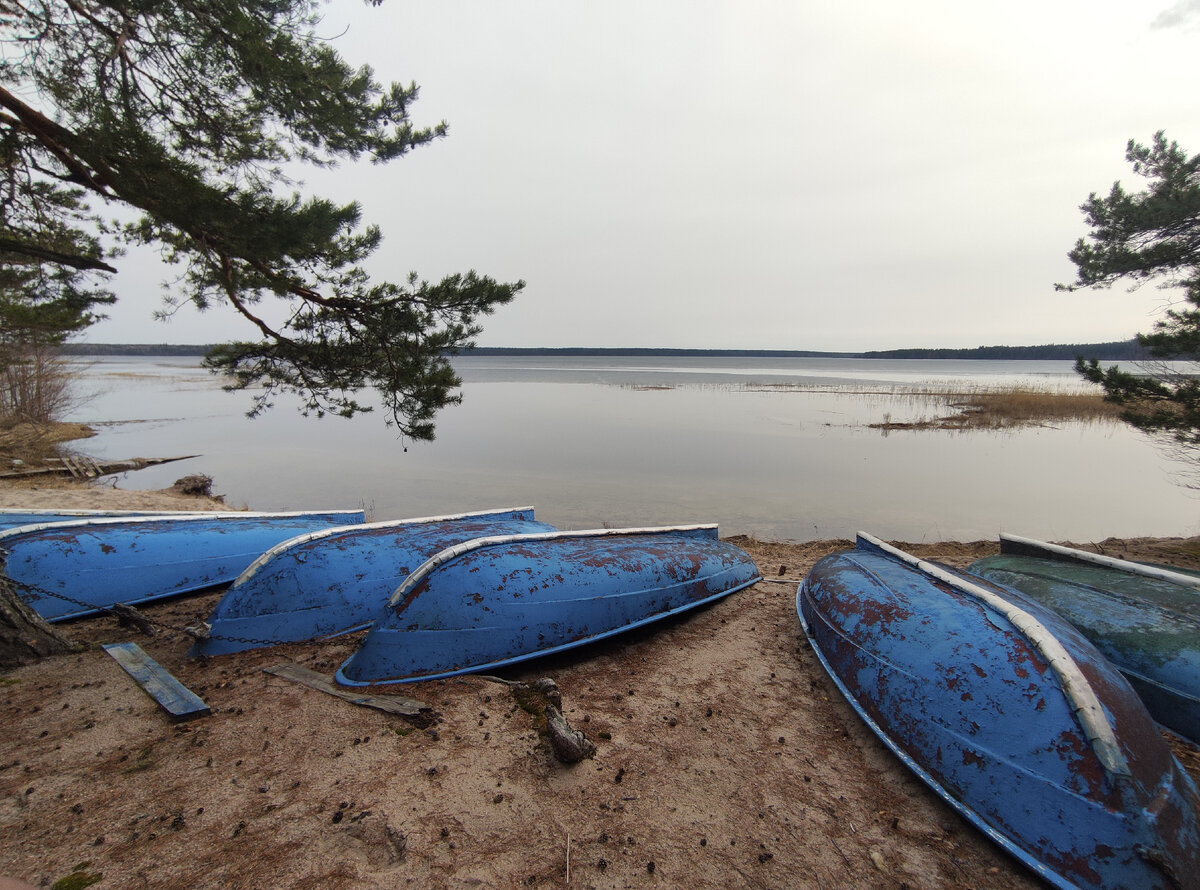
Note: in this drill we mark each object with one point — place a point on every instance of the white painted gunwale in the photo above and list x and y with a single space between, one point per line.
218 515
301 540
105 514
1078 691
1108 562
452 553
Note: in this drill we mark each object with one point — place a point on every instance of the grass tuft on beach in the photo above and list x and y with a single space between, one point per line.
32 442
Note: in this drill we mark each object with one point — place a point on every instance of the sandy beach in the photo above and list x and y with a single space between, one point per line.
725 758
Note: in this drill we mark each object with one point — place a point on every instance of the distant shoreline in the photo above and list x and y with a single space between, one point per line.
1121 350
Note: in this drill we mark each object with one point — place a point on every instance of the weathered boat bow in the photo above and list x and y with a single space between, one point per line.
1016 545
500 600
334 581
1145 619
73 568
1009 714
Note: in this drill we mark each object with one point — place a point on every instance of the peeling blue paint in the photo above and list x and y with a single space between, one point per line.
1148 626
11 517
455 614
335 581
903 644
75 568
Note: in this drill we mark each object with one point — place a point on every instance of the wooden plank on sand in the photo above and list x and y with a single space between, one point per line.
391 704
177 700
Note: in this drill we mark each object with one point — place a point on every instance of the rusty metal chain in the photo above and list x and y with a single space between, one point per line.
108 610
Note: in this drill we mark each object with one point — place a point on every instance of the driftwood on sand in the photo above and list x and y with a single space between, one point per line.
399 705
83 467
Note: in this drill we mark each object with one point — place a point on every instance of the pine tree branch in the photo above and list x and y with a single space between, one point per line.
46 255
57 140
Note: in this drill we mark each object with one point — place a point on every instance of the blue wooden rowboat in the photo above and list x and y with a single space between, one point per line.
336 580
12 517
70 569
497 601
1145 619
1009 714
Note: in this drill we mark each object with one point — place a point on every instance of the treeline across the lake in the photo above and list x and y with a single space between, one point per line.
133 349
1117 350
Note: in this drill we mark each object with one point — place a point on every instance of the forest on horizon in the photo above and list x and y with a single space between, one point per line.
1118 350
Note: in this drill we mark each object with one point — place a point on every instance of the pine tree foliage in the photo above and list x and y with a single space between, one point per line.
1138 237
193 113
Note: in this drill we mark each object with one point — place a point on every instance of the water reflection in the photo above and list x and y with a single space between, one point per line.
592 443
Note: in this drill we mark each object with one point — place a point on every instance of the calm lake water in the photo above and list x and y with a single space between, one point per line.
775 448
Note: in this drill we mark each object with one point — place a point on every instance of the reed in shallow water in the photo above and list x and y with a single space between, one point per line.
1012 407
981 407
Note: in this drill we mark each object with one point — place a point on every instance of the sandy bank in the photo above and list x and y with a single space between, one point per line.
50 494
726 758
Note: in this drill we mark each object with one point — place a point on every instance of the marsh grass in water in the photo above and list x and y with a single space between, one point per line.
981 407
1005 408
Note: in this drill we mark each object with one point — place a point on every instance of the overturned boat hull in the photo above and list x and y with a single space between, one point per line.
497 601
1009 714
337 580
1144 619
70 569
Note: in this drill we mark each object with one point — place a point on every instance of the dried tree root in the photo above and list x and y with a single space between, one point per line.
570 745
24 635
543 702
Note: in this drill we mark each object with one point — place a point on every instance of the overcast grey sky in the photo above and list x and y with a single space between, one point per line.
777 175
